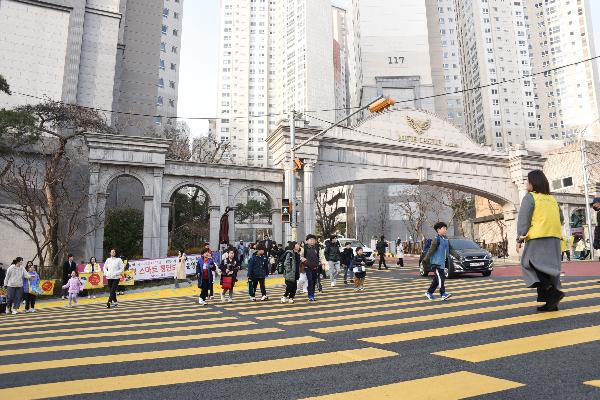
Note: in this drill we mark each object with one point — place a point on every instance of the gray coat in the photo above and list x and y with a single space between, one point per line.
543 253
290 265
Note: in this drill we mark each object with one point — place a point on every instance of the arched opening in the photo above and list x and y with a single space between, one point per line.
189 222
253 217
124 221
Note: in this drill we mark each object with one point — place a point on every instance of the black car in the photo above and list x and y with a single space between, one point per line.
466 256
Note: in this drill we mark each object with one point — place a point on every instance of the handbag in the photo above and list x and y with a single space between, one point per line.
227 283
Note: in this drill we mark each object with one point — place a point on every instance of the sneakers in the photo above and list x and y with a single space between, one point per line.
429 296
94 297
115 304
107 305
201 302
445 296
356 289
32 310
284 300
360 289
311 299
333 283
222 298
89 296
345 282
252 298
14 312
230 299
291 301
264 298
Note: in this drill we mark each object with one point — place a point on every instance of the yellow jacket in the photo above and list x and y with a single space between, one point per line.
545 221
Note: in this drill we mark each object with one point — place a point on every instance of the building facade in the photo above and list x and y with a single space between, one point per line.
275 57
494 52
567 99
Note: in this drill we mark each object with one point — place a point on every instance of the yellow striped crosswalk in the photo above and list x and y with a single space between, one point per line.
163 342
455 386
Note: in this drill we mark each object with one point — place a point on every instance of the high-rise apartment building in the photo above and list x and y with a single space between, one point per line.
148 66
341 70
494 49
567 99
275 56
390 53
119 55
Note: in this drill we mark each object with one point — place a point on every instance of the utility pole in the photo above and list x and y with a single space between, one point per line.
293 217
586 189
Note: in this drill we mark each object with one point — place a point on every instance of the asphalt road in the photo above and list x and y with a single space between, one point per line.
380 343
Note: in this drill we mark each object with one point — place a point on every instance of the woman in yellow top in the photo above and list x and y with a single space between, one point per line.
540 228
92 266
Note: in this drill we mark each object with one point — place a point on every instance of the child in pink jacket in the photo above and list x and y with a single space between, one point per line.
74 286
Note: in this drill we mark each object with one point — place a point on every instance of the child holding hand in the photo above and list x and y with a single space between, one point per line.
73 286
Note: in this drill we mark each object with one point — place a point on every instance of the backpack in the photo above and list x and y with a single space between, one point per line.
427 245
280 261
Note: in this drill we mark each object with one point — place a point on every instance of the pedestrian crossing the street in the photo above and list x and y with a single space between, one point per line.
386 342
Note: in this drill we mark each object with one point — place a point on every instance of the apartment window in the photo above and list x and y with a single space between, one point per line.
172 84
175 32
562 183
173 67
172 103
175 15
159 100
164 29
158 120
162 64
163 47
165 12
174 49
161 82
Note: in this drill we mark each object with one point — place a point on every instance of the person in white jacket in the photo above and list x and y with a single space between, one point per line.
13 282
113 269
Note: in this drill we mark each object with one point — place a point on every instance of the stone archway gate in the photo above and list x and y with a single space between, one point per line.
391 148
144 158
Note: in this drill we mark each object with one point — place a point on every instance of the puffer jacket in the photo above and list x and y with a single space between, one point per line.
291 266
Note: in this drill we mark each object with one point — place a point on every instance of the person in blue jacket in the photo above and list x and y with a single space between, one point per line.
258 268
437 256
204 269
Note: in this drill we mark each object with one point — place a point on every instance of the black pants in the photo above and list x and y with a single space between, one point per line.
312 277
204 287
401 262
290 289
113 284
382 260
439 279
30 300
255 283
568 253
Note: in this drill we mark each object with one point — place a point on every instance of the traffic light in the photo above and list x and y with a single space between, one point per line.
297 165
286 210
381 104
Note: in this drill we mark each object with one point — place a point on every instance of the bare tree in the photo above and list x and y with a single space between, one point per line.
208 149
44 193
179 134
383 216
419 206
328 211
461 205
361 228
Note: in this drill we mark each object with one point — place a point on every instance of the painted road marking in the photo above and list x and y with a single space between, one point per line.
124 333
435 306
373 303
99 318
444 316
525 345
159 354
454 386
99 329
134 342
593 383
482 325
220 372
360 298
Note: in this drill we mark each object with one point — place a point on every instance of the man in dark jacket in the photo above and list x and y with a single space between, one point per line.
381 246
258 269
596 206
267 244
68 267
346 261
332 255
312 259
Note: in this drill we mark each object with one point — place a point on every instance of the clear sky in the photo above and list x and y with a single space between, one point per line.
200 57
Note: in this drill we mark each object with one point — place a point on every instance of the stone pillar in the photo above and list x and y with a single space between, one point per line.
231 225
148 210
510 221
215 216
309 199
224 194
101 213
156 211
164 228
93 213
277 226
287 194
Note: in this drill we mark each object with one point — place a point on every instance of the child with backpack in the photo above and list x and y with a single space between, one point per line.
359 267
437 255
346 261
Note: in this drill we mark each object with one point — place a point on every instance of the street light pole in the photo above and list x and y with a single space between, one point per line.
293 218
586 189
